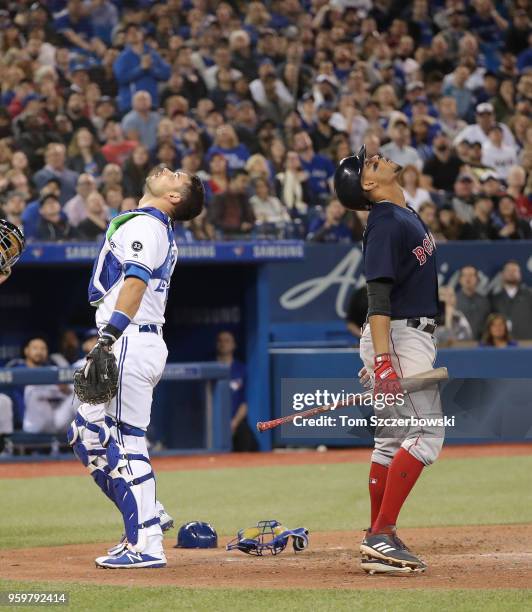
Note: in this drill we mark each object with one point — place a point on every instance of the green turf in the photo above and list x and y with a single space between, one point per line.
91 598
54 511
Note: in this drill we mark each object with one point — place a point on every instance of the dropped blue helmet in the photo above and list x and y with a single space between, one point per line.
197 534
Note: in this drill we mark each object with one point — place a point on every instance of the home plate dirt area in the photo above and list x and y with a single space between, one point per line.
458 557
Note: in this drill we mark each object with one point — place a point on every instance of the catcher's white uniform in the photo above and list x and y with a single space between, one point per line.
139 243
110 439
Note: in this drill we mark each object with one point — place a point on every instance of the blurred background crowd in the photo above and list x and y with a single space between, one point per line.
262 99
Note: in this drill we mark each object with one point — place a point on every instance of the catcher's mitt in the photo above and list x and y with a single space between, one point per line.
11 244
97 381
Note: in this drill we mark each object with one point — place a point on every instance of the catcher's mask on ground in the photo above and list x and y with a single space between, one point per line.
268 536
11 244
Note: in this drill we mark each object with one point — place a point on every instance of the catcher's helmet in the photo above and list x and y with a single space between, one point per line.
11 244
347 182
197 535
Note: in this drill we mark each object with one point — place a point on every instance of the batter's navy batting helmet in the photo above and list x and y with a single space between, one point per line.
347 182
11 244
197 535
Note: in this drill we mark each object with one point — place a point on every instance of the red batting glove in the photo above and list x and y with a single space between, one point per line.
386 379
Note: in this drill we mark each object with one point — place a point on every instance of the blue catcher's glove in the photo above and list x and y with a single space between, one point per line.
268 536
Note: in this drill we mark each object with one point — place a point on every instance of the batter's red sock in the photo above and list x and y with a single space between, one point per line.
377 484
403 473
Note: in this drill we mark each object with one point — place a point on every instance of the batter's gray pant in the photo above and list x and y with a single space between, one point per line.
412 351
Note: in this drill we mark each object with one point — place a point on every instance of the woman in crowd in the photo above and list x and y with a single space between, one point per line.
257 167
267 208
136 170
219 178
509 225
496 332
414 194
83 154
292 185
516 188
277 156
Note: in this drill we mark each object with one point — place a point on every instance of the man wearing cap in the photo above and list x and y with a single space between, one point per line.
323 131
464 197
398 149
490 185
52 225
479 131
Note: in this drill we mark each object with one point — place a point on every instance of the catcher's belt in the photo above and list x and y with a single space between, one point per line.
11 244
268 536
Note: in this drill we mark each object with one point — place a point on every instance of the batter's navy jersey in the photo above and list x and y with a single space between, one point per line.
397 245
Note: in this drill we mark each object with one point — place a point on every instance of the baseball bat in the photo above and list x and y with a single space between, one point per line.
409 385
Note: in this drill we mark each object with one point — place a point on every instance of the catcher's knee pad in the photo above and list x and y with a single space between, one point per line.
89 452
84 445
425 449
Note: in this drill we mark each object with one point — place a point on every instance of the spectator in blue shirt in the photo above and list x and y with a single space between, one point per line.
227 144
138 68
332 227
320 169
75 26
243 438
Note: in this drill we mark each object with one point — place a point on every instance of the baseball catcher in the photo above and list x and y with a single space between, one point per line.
11 247
129 289
397 342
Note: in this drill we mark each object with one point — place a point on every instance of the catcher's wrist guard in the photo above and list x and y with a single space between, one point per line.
116 326
109 335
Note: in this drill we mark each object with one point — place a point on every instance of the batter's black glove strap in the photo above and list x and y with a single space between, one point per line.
97 381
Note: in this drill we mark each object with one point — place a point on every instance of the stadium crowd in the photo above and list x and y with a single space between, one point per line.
262 99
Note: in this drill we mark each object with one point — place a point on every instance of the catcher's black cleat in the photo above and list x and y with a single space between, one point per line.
388 548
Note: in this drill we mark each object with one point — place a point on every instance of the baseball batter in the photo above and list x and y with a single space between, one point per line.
129 287
397 342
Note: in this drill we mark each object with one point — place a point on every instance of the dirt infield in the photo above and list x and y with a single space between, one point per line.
458 557
40 469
